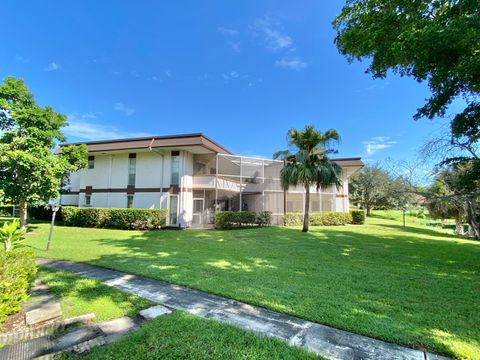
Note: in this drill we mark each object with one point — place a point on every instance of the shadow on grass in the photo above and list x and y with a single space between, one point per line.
396 285
86 295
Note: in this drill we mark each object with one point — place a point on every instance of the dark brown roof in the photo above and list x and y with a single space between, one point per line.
196 139
353 161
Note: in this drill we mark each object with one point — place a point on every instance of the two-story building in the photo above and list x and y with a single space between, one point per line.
192 176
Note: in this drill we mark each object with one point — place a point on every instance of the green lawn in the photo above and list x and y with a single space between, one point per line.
184 336
417 286
80 296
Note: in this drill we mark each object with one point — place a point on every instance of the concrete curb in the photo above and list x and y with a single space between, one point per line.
45 330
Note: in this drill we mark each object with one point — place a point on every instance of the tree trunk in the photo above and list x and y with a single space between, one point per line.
369 210
306 214
23 214
471 210
458 225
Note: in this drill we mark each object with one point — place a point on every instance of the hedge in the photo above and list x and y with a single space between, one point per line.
358 217
330 219
43 212
6 210
326 218
293 219
127 219
18 270
236 219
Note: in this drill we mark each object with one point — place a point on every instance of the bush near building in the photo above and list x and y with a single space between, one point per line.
237 219
355 217
358 217
17 271
127 219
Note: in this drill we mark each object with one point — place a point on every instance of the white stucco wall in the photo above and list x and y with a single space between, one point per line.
149 170
69 199
146 200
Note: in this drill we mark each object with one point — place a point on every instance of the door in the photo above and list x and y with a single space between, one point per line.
173 211
198 212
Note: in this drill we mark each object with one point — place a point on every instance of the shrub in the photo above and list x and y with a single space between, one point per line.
136 219
6 210
330 219
11 236
231 219
18 270
264 218
43 212
420 213
358 217
293 219
326 218
127 219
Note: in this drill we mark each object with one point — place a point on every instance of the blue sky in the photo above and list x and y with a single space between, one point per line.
242 72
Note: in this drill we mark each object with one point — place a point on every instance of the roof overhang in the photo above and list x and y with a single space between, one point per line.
197 143
354 164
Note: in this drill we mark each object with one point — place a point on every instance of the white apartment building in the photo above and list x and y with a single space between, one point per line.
192 176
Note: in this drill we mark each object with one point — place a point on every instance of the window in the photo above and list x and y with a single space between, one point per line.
130 201
88 200
173 209
175 167
132 164
91 162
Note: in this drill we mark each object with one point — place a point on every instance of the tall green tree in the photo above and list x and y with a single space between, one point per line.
370 188
308 163
437 41
433 41
30 171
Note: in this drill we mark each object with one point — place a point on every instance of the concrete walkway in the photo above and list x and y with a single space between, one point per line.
325 341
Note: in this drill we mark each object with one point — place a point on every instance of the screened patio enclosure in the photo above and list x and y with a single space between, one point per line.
239 183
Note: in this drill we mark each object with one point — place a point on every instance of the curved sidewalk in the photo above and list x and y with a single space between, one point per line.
323 340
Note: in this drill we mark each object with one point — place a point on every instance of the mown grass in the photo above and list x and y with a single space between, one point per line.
184 336
80 296
414 286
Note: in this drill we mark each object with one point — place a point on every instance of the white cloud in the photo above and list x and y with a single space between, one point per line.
231 33
168 74
272 33
228 31
292 64
51 67
123 108
233 75
234 45
80 127
378 143
22 59
380 138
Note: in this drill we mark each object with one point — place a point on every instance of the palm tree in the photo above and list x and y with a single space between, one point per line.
309 164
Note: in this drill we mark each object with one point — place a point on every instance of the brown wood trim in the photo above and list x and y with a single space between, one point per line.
69 192
153 142
131 189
